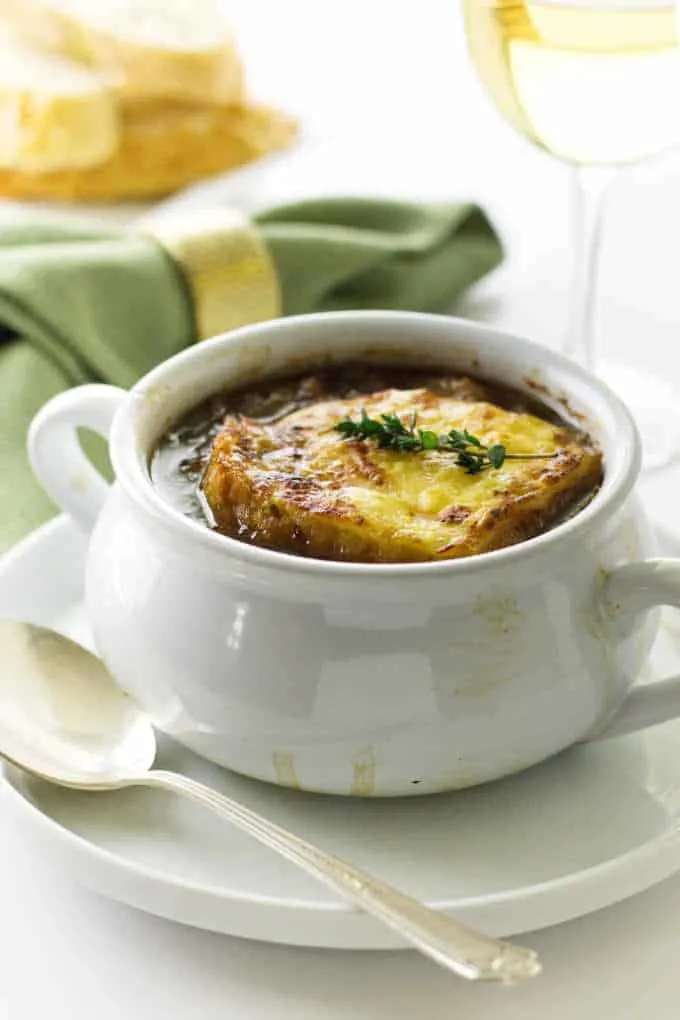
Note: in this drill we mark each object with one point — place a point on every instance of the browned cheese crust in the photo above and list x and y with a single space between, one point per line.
298 486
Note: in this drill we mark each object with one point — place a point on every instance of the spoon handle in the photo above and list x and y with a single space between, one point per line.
466 952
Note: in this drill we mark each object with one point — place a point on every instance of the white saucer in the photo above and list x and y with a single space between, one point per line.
585 830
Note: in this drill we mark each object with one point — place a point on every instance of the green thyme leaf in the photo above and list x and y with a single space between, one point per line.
496 455
391 433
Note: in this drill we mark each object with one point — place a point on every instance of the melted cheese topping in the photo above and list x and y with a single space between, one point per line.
299 482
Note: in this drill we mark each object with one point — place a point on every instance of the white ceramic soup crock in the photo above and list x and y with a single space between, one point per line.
358 678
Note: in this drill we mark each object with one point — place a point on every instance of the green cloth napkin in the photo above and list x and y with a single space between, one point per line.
79 303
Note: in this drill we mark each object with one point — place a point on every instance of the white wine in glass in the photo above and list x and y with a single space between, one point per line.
596 84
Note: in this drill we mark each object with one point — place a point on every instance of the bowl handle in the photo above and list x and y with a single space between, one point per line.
56 456
629 590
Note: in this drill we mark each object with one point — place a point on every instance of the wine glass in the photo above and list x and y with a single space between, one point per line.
595 83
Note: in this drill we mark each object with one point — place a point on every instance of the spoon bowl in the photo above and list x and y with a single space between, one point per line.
64 719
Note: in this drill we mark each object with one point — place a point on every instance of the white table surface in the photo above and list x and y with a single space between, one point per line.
390 105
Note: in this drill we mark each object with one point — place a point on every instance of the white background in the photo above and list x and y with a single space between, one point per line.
389 104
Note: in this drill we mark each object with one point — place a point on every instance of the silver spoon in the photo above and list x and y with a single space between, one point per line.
64 719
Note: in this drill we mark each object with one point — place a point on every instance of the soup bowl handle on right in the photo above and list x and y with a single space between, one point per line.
630 590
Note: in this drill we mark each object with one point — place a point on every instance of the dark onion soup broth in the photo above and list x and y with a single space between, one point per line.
179 461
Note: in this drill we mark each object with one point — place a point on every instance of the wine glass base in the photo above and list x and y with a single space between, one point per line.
655 406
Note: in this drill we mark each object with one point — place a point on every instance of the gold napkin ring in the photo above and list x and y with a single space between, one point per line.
226 264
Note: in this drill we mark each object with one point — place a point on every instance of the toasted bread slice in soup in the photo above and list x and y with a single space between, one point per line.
299 486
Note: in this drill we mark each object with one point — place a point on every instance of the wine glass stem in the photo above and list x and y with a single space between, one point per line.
590 185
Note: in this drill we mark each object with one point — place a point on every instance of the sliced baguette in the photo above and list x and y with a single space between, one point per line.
163 147
54 113
181 49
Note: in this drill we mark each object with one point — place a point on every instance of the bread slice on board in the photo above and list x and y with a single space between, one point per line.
163 146
181 49
53 112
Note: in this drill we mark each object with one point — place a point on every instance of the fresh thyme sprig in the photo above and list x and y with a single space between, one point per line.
390 433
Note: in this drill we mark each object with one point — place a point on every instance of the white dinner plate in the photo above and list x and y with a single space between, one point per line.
591 827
